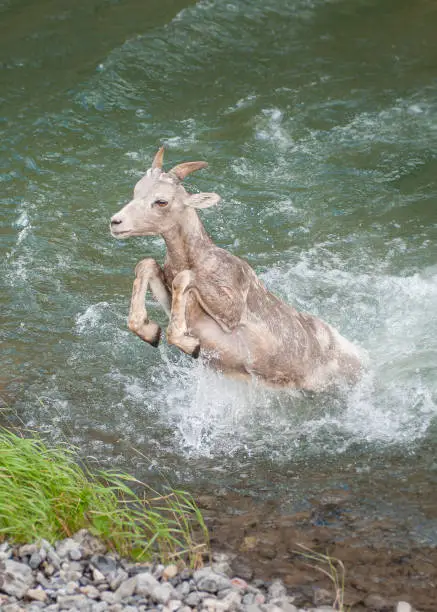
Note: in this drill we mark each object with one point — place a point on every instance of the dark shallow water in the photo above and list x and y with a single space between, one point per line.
319 121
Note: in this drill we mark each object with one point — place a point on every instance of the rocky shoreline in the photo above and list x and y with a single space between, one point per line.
79 574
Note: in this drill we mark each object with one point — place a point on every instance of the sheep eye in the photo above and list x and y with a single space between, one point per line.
161 203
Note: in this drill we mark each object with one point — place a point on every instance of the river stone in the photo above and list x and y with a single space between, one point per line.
15 578
404 606
108 597
376 602
97 575
146 583
163 593
104 564
253 608
38 594
170 571
99 606
12 607
90 591
208 580
64 547
35 560
241 569
27 550
126 588
173 605
232 600
210 603
89 544
116 578
194 598
182 589
78 602
52 556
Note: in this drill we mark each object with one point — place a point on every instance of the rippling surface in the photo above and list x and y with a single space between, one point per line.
319 121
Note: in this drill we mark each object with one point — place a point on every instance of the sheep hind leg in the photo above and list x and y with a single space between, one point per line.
177 331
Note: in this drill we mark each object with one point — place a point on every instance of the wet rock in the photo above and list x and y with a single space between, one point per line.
15 578
208 580
377 603
241 569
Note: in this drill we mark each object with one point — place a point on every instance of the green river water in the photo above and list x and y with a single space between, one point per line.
319 122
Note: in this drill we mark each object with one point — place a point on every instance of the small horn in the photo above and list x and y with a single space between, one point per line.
158 159
183 170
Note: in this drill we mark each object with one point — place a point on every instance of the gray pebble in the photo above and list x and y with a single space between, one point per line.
15 578
99 606
404 606
80 602
195 597
108 597
35 560
126 588
208 580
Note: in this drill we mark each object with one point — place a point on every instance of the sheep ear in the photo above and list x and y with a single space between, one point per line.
202 200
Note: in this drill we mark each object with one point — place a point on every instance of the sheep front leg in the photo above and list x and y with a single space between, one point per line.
177 331
147 272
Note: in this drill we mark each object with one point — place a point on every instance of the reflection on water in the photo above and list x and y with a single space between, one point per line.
318 120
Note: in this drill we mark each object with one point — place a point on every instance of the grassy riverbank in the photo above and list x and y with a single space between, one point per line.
46 492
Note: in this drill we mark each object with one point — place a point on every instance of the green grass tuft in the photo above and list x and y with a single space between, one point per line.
45 493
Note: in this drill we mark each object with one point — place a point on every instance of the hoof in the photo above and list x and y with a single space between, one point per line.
188 344
149 332
156 339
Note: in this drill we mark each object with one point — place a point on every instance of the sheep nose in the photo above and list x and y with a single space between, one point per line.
115 221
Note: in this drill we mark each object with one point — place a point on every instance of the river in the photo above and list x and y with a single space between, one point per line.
319 123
